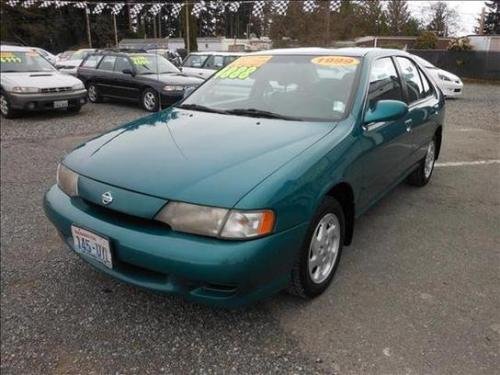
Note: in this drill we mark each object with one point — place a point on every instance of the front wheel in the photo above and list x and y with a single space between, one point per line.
319 257
422 175
5 107
150 100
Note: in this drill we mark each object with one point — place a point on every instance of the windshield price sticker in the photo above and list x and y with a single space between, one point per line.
139 60
243 67
335 61
9 57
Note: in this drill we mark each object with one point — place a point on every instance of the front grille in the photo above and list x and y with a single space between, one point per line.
53 90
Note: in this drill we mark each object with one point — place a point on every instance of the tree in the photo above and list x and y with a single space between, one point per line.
459 44
373 18
492 19
444 20
397 16
426 40
193 27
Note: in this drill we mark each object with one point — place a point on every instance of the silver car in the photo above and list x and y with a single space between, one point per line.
30 83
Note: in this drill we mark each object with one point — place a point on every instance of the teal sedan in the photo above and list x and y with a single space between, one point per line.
251 184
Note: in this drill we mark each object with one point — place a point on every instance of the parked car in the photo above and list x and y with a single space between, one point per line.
227 198
170 55
137 77
63 56
31 83
450 84
204 64
46 55
71 65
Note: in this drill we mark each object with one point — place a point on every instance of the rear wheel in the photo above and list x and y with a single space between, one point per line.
150 101
422 175
320 255
93 93
5 107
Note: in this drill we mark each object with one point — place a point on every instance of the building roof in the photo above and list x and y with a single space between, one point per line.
349 51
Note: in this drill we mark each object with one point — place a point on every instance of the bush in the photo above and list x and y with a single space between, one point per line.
426 40
460 44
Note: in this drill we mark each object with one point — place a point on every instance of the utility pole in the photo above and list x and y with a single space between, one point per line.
89 36
188 36
116 31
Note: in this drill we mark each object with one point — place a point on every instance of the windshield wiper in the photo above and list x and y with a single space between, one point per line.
202 108
252 112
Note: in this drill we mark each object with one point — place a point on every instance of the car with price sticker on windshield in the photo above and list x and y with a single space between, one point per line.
30 83
145 78
251 184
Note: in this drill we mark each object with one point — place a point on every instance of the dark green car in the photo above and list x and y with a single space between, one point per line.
252 184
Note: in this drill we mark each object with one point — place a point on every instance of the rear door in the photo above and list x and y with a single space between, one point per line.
87 70
104 77
423 105
386 143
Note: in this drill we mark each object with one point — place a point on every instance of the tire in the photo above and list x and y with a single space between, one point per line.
5 108
309 280
93 93
149 100
422 175
74 109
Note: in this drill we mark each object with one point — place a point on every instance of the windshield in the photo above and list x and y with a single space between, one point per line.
195 61
302 87
23 61
153 64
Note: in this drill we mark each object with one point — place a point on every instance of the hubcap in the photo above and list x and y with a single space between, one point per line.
92 93
429 159
149 101
4 106
324 248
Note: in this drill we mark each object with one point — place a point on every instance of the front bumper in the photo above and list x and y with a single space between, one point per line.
37 102
452 89
149 255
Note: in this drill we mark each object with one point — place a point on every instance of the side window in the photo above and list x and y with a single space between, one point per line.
122 63
428 91
229 59
384 82
195 61
412 79
91 61
107 63
214 62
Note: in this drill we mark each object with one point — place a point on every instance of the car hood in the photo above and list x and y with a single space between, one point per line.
191 156
178 79
39 79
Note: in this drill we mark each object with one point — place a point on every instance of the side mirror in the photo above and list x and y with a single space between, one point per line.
128 71
386 110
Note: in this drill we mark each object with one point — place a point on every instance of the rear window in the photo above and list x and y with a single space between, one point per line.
91 61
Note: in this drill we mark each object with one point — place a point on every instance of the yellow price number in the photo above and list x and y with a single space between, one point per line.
243 67
9 57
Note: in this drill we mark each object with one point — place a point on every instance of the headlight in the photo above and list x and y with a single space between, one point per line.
173 88
216 222
67 180
443 78
78 86
26 90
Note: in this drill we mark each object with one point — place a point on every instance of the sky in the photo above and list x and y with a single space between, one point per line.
468 11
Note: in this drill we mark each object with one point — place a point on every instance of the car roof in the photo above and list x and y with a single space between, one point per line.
349 51
218 53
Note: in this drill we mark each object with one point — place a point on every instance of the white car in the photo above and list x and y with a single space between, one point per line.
449 83
28 82
204 64
70 66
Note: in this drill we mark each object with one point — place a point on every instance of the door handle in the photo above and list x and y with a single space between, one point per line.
408 124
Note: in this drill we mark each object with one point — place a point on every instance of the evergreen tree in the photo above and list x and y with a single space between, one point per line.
397 16
492 19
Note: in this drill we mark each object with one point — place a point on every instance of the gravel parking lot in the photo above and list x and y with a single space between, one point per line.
417 291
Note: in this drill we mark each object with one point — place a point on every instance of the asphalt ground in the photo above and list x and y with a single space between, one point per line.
418 291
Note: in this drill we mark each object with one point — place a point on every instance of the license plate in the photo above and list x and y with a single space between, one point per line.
92 245
60 104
